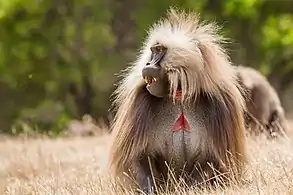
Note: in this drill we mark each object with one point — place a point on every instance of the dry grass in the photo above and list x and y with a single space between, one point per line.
72 166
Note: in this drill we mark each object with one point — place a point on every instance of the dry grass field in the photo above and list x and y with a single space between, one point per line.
72 166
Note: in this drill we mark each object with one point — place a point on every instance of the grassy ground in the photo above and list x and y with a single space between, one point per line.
72 165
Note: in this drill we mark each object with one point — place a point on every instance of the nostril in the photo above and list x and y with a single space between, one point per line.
148 63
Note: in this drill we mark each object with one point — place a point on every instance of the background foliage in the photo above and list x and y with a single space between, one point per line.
58 59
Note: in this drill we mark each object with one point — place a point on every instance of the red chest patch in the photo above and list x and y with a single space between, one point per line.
181 124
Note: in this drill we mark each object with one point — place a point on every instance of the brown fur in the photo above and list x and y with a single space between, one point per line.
262 102
211 99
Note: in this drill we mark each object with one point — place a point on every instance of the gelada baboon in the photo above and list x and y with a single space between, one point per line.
263 103
179 109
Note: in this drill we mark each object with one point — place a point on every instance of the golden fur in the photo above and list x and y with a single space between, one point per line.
196 58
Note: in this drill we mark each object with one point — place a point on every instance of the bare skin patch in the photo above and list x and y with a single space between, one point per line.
181 122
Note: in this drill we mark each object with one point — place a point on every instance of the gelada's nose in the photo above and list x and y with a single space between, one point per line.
151 70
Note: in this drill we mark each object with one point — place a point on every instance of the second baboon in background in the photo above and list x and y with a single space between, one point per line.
262 101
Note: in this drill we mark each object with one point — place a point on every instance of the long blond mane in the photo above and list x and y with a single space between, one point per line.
196 56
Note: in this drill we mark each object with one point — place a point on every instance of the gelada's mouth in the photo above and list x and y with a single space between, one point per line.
149 80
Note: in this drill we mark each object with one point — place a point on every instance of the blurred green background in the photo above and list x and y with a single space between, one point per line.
59 58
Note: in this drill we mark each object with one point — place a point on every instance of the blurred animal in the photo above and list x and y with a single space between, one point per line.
179 108
263 104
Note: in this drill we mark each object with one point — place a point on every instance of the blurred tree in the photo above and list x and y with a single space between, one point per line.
58 59
55 50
